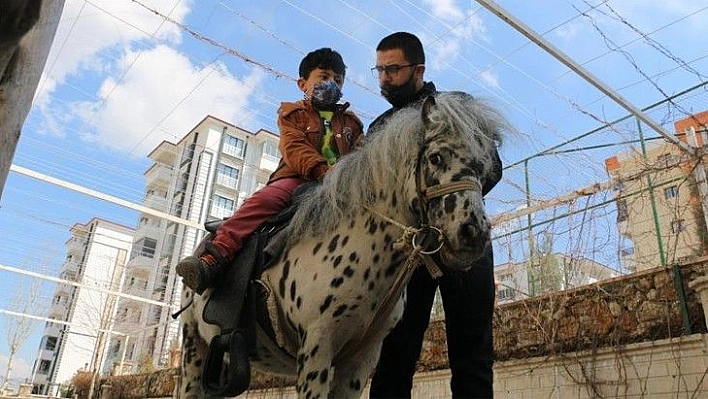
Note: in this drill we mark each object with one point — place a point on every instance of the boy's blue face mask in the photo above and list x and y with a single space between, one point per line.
325 94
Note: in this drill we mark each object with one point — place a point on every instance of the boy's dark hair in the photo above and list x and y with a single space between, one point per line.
324 58
407 42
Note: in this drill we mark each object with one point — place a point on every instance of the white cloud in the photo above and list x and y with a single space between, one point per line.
88 29
21 370
490 79
464 27
162 95
445 9
128 88
567 32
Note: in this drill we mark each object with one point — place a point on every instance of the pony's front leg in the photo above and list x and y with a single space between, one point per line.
314 363
351 375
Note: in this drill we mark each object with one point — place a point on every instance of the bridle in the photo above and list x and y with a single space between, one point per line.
418 237
426 194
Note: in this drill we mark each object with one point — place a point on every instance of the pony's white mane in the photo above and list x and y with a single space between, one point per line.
388 153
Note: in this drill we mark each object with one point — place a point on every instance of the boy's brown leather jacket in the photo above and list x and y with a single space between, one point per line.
301 133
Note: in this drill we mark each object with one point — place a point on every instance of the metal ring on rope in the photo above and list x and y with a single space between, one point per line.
440 239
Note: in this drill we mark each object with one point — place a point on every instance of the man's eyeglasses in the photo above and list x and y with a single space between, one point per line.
389 69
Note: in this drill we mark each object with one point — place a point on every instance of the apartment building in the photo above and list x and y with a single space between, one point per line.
659 213
550 272
204 176
96 255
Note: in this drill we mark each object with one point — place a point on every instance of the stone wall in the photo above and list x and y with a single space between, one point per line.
629 333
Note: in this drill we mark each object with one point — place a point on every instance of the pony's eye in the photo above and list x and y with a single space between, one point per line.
435 159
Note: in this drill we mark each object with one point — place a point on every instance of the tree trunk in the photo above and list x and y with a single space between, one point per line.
9 367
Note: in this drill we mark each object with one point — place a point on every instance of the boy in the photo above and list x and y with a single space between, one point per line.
314 133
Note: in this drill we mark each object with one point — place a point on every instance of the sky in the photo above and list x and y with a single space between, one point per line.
123 76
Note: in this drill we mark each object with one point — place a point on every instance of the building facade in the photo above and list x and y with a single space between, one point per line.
96 255
205 176
549 272
659 213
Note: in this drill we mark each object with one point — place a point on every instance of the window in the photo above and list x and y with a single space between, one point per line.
671 192
44 366
678 226
270 148
622 211
221 206
144 247
505 294
51 343
233 146
227 176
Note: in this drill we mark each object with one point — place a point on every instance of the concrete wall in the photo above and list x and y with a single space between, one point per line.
670 368
625 337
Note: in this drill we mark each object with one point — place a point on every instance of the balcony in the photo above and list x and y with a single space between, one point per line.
141 263
156 202
159 176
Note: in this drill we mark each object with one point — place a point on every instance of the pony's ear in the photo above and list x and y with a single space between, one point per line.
428 104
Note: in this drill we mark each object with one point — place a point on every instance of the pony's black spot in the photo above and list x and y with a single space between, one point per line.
394 200
353 257
431 181
323 375
383 225
337 261
292 290
333 243
298 303
314 350
336 282
388 240
372 226
373 306
355 385
352 224
345 240
450 203
326 303
376 258
391 269
314 278
348 271
311 375
465 172
371 285
283 278
339 310
316 248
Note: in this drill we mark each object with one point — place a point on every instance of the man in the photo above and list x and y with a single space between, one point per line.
468 297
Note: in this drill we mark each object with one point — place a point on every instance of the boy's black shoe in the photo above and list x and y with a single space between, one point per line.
199 273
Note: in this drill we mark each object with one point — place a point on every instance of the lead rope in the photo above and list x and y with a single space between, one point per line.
408 237
385 308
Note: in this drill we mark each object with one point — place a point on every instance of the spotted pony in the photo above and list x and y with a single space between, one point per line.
337 289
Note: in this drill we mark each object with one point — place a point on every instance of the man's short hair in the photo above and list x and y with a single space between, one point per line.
407 42
324 58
